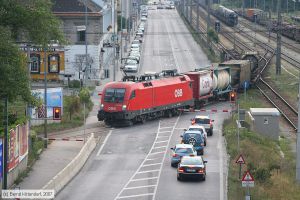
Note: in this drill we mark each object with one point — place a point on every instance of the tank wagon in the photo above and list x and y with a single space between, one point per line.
148 97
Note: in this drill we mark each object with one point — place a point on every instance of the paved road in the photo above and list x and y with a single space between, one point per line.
134 162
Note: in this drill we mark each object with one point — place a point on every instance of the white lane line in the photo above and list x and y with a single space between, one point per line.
138 195
170 127
221 167
163 160
156 152
152 159
148 171
144 179
138 187
159 147
163 136
161 141
164 132
152 164
104 142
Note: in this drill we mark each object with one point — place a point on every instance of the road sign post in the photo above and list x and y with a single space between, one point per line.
241 161
248 181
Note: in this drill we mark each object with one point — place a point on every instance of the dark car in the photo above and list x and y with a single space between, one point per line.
181 150
194 138
191 167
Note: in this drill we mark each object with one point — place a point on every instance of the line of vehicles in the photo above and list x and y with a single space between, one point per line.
186 155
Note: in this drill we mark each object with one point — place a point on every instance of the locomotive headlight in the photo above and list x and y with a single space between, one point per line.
101 106
124 107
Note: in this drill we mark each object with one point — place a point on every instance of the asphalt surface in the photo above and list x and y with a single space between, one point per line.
134 162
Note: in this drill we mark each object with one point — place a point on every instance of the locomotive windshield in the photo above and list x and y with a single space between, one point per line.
114 95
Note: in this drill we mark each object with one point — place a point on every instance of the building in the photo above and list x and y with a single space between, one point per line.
84 39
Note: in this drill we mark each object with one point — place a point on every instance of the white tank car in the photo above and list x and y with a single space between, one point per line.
205 83
221 79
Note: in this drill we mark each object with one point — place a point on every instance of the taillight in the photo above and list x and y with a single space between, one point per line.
180 169
210 123
192 155
175 155
201 171
193 122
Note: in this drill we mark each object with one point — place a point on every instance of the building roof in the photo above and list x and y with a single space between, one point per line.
264 111
74 6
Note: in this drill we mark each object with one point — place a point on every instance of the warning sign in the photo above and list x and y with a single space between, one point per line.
247 180
240 160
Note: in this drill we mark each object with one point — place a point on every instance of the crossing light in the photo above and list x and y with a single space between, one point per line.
57 113
232 96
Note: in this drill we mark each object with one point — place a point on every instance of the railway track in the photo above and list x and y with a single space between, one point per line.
285 108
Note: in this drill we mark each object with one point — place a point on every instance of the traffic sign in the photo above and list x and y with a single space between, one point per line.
240 160
247 180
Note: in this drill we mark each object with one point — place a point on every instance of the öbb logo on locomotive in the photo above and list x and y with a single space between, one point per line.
178 93
112 108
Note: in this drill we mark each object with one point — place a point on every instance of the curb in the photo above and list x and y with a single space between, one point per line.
59 181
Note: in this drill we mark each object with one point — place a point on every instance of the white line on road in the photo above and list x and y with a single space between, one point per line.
152 164
144 179
159 147
152 159
101 148
166 128
138 195
148 171
161 141
164 132
156 152
163 136
137 187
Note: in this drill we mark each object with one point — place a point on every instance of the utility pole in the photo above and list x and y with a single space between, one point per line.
86 44
45 99
198 18
121 35
298 143
208 19
191 12
5 158
114 42
278 51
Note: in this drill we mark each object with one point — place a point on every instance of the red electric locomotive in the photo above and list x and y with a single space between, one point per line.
136 101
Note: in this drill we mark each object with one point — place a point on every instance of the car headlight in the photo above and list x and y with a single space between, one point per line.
101 106
124 107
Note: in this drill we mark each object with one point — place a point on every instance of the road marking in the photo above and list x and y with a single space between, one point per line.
137 187
163 136
152 159
161 141
152 164
148 171
138 195
164 132
221 167
104 142
159 147
166 128
156 152
144 179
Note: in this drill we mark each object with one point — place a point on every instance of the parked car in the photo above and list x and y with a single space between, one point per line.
191 167
181 150
130 67
131 61
197 127
140 33
143 18
134 58
194 138
136 42
204 120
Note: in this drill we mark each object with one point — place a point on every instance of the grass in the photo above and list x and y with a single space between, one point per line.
274 175
286 84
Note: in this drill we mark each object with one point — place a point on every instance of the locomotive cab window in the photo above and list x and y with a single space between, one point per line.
114 95
132 94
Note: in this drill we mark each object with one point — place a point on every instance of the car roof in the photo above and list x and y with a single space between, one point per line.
202 117
196 126
184 146
193 131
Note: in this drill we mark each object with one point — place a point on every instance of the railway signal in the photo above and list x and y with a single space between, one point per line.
232 96
57 113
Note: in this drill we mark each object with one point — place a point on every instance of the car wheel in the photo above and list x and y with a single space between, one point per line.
204 143
179 178
204 177
173 165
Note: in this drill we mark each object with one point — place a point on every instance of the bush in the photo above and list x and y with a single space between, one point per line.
262 175
74 84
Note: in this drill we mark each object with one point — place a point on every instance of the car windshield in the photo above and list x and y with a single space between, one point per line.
196 129
183 150
115 95
187 136
202 121
131 62
191 161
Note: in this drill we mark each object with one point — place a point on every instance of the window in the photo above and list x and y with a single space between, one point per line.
132 95
183 150
114 95
53 63
202 121
35 63
81 36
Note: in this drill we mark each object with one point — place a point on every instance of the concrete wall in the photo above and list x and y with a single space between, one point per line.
64 176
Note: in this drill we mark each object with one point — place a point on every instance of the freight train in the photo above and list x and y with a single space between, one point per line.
261 17
224 14
151 96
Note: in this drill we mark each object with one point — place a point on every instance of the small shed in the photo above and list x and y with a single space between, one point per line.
265 121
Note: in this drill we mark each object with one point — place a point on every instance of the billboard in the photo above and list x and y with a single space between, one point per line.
54 99
23 141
